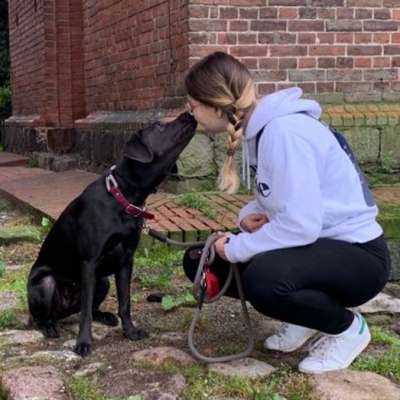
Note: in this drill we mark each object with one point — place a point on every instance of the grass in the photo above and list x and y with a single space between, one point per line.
197 201
386 362
156 269
16 282
84 389
8 320
202 384
385 173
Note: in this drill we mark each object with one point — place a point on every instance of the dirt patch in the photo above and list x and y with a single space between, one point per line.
388 194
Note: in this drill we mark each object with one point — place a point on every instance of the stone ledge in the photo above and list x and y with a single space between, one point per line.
349 115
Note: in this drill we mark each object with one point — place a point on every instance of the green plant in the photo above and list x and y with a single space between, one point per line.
46 225
2 268
197 201
170 302
5 102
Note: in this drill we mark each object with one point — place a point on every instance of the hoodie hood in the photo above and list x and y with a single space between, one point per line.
278 104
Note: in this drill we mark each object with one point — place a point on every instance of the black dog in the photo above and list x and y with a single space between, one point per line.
95 237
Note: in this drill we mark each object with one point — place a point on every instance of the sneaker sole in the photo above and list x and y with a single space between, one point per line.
293 348
357 351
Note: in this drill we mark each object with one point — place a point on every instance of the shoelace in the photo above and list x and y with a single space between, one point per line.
321 347
282 330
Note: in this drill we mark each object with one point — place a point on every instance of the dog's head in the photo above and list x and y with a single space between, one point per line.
156 148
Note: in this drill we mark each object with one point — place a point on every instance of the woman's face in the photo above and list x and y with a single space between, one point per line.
208 117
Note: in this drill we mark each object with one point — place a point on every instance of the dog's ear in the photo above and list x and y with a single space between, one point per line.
137 149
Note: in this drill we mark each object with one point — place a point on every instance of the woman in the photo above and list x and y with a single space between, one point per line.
309 245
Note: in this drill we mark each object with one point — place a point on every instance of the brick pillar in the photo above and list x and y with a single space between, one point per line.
64 62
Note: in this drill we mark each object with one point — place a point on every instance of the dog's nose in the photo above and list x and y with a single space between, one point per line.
187 117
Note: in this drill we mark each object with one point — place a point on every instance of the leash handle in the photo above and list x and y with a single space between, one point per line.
199 292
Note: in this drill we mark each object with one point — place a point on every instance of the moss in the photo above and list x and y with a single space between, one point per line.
19 233
389 218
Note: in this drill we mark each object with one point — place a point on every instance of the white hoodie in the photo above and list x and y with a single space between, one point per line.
307 183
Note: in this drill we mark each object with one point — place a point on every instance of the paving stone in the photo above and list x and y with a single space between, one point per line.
157 355
69 344
34 383
381 303
17 337
65 356
143 385
243 368
354 385
99 331
173 336
8 300
89 369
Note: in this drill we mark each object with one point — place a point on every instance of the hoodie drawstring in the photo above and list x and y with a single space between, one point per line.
246 165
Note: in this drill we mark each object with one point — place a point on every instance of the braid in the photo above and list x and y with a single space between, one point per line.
228 179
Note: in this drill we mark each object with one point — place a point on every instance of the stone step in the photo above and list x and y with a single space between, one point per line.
12 160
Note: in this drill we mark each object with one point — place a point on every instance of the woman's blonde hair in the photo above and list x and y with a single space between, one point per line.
224 83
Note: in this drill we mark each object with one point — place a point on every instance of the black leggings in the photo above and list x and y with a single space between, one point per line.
309 285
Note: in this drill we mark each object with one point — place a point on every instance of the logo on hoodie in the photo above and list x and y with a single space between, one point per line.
263 189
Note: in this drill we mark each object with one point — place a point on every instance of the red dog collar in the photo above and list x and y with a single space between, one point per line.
131 209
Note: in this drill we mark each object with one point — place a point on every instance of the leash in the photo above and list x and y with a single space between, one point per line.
205 284
202 295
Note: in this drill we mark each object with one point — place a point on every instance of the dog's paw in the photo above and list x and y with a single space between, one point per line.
135 334
83 349
49 330
105 318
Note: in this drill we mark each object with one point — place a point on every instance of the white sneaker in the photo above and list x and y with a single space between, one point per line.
330 353
289 338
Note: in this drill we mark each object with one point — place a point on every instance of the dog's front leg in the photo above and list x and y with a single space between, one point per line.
84 341
123 283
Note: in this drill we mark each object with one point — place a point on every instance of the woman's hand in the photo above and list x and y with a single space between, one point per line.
219 245
253 222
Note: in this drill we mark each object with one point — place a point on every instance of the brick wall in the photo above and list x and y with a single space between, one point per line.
72 58
136 53
26 24
351 47
47 60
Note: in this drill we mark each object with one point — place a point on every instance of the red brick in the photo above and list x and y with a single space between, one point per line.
396 37
362 38
307 62
287 13
381 37
327 50
265 88
362 62
381 62
305 26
